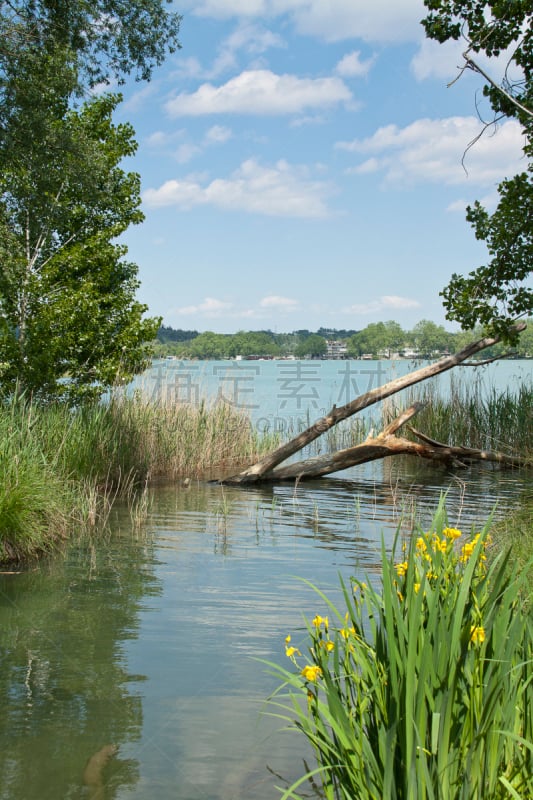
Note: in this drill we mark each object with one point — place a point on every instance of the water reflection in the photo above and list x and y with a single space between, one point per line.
65 686
150 641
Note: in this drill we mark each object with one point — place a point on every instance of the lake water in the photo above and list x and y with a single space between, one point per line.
152 638
286 396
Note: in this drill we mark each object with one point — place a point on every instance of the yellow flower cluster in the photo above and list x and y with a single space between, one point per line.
311 672
290 651
468 548
319 621
451 533
477 634
434 562
433 543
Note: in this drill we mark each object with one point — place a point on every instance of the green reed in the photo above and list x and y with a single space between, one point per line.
35 499
421 690
61 467
473 415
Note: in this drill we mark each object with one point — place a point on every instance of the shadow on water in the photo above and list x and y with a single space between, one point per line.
148 640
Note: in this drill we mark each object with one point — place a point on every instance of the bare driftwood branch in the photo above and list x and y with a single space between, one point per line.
487 360
379 447
472 453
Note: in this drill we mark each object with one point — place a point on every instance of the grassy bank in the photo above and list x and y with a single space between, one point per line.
63 468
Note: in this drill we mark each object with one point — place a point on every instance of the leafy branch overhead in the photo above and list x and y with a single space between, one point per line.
499 291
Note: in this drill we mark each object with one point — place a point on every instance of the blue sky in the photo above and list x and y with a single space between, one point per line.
301 167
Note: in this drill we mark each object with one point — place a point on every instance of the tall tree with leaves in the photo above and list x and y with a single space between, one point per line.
498 292
67 294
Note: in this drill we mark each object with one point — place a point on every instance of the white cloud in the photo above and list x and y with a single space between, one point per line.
279 303
249 38
253 39
435 60
431 150
261 92
282 190
394 301
158 139
489 201
376 21
221 9
188 68
458 205
351 66
186 152
211 307
139 98
218 134
383 303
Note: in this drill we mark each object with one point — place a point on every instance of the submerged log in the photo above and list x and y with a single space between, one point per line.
385 444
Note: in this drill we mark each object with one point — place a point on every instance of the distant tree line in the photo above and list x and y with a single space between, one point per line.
378 340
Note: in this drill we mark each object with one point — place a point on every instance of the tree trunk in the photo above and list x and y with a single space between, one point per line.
385 444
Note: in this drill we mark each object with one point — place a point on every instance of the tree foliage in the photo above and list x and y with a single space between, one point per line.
376 339
67 293
105 39
313 345
498 292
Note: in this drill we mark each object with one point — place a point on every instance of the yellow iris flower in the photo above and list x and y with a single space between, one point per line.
311 672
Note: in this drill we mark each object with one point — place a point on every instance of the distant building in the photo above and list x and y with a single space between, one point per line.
336 348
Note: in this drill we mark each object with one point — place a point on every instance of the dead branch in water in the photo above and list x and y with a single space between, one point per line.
267 469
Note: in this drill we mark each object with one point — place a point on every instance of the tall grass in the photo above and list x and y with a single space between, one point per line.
61 466
421 690
473 415
515 532
35 499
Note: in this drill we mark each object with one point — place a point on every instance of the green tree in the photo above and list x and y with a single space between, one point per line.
525 345
105 39
253 343
313 345
376 339
394 337
67 295
208 345
430 338
496 293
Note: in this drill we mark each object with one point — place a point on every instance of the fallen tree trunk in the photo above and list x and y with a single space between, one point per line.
386 444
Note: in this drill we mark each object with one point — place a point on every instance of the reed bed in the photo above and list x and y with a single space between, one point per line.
35 500
64 467
474 415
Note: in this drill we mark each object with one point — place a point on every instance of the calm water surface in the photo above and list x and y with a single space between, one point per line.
149 639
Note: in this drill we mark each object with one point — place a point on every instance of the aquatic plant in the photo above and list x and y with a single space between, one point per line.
423 688
64 467
474 415
35 500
